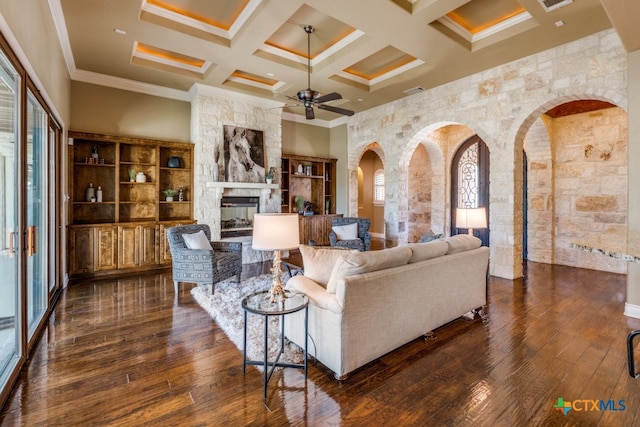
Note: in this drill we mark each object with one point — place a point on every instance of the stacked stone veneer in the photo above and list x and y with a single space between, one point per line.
501 105
577 188
211 109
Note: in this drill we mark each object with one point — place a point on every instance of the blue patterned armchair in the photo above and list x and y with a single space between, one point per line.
361 243
203 266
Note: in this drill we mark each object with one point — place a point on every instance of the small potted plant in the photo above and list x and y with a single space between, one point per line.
169 193
300 202
269 177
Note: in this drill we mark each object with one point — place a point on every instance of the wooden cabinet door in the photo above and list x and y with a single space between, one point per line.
149 249
81 250
165 252
128 246
105 248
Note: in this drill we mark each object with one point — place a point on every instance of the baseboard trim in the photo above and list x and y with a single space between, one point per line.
632 310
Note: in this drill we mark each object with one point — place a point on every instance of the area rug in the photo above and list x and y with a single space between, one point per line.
224 306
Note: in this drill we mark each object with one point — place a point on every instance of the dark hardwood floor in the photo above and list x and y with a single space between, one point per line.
129 352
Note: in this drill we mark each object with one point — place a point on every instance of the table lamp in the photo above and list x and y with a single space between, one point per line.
471 218
275 232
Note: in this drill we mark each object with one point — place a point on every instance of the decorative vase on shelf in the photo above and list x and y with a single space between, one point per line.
90 193
141 177
169 198
215 172
269 180
132 175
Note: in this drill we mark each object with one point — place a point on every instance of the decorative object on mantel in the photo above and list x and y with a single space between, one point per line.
268 177
141 177
132 175
244 156
173 162
216 167
275 232
169 193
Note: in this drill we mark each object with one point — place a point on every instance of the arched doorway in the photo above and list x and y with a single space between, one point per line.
470 183
370 196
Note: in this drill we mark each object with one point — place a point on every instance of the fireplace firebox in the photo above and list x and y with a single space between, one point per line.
236 215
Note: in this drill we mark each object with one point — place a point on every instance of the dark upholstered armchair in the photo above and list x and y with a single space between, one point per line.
362 242
203 266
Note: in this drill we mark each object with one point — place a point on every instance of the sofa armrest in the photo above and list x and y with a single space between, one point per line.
333 238
318 295
227 246
366 239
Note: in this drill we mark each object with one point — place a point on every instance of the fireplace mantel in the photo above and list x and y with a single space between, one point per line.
245 185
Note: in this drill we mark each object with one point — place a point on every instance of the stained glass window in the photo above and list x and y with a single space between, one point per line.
468 178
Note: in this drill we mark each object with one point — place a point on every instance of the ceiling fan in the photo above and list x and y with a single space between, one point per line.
308 98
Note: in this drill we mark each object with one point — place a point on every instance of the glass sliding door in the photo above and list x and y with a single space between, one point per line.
10 245
37 213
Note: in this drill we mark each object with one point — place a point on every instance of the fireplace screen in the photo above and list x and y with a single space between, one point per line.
236 215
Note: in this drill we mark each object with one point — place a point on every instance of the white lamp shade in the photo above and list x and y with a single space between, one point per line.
471 218
274 232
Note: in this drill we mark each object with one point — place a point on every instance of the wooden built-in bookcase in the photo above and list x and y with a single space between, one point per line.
125 232
313 179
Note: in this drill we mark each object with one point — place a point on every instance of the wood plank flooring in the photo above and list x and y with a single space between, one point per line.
129 352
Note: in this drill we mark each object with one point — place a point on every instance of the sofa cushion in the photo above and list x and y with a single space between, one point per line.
461 243
346 232
365 262
197 241
318 262
428 250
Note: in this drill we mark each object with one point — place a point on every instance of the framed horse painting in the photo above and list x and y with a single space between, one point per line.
244 157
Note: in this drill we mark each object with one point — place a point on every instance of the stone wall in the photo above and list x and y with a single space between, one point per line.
211 109
500 105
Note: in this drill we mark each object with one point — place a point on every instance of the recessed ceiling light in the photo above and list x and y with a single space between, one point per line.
359 99
119 31
559 23
270 74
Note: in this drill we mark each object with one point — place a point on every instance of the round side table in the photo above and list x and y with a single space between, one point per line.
259 303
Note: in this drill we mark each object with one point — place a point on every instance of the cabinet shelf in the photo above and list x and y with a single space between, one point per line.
137 183
316 183
125 233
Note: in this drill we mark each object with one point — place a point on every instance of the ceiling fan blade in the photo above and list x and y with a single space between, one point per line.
336 110
328 97
309 113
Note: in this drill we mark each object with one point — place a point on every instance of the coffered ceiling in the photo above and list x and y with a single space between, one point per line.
369 51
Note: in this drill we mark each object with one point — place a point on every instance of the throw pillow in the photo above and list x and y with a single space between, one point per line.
318 262
365 262
461 243
429 236
197 241
428 250
346 232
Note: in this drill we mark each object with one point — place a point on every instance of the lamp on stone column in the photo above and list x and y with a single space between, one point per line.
275 232
471 218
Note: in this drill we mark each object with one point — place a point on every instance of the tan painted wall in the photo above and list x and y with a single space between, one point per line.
305 140
31 24
633 242
112 111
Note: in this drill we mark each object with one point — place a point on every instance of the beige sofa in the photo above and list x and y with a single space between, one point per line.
366 304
